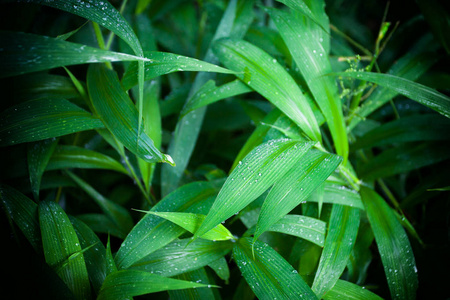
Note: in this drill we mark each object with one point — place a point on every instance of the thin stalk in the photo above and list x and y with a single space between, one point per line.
100 41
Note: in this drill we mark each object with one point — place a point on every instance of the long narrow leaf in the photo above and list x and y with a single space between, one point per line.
66 156
42 119
260 169
394 247
119 114
161 63
415 91
347 290
312 61
342 231
129 283
178 257
295 186
62 249
39 154
268 274
25 53
266 76
152 232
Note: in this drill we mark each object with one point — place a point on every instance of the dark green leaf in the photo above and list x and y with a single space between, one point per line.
42 119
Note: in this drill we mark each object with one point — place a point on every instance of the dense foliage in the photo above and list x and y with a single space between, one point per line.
225 149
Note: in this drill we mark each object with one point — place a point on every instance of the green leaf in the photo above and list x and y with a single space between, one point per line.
199 276
24 53
347 290
95 255
427 127
404 158
268 274
119 114
260 169
295 186
62 249
66 156
411 66
265 75
42 119
342 230
129 283
161 63
101 12
393 244
415 91
180 256
210 93
339 194
152 233
188 128
120 217
312 61
220 266
307 228
38 155
24 212
191 222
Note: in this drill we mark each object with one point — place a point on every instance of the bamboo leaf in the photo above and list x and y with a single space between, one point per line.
38 155
95 255
295 186
220 266
24 212
415 91
260 169
312 61
42 119
161 63
339 194
347 290
304 227
179 257
268 274
191 222
152 233
393 244
119 114
199 276
129 283
342 231
265 75
101 12
25 53
66 156
62 249
188 128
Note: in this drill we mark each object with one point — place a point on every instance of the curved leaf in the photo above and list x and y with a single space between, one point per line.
347 290
24 53
260 169
119 114
180 256
42 119
268 274
295 186
62 248
266 76
161 63
393 245
129 283
412 90
342 231
66 156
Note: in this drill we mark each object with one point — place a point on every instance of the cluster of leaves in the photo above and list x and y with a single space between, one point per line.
172 147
